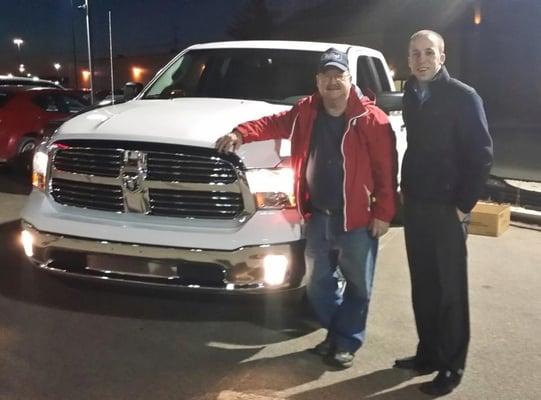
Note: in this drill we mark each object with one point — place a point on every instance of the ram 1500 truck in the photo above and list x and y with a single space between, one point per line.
136 192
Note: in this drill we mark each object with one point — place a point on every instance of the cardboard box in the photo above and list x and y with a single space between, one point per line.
489 219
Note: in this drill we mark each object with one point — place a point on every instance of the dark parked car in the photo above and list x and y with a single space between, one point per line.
25 112
6 80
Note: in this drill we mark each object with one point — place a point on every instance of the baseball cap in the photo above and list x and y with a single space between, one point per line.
334 58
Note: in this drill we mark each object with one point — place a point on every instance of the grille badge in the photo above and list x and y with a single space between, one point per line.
134 171
133 174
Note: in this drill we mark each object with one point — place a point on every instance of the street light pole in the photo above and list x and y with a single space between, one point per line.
111 59
57 66
18 42
74 49
86 7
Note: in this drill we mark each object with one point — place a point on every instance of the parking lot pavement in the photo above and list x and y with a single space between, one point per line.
13 191
65 340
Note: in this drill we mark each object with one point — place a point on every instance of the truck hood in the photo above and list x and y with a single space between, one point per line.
185 121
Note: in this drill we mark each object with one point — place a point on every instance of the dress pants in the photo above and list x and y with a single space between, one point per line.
437 255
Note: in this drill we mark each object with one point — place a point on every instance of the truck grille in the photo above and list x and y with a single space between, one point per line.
146 178
88 161
195 204
187 168
87 195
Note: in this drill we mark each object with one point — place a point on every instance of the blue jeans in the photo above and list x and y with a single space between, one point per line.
354 252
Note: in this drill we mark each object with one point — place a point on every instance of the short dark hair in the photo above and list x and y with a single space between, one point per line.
426 33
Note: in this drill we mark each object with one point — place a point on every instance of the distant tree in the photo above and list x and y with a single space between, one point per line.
255 21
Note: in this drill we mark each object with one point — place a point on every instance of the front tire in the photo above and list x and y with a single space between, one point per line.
25 154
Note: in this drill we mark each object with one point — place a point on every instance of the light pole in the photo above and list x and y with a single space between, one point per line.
18 42
74 50
86 8
57 66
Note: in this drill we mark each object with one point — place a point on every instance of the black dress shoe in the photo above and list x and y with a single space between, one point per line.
445 382
414 364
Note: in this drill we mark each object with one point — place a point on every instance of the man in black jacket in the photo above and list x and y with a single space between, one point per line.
445 167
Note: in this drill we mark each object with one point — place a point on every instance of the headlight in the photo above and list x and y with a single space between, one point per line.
28 243
275 269
272 188
39 166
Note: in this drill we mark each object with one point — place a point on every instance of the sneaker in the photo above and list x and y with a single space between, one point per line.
343 359
325 348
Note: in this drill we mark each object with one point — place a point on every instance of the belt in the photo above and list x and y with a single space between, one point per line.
330 211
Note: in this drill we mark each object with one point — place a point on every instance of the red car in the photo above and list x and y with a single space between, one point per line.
25 112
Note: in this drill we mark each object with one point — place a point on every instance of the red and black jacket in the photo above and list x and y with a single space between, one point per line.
368 149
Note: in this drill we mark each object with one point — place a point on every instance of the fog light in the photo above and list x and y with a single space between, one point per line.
28 243
275 267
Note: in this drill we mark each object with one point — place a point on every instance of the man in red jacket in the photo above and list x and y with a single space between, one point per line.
344 160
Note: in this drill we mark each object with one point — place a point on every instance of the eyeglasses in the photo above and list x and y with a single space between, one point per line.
339 76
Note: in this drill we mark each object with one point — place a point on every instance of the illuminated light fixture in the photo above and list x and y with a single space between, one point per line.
35 78
18 42
86 75
137 73
272 187
28 243
57 66
39 167
477 18
275 269
22 68
10 75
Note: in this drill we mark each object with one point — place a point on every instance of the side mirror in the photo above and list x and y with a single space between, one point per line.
389 101
132 89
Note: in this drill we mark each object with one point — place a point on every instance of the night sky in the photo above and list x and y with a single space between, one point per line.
500 57
139 27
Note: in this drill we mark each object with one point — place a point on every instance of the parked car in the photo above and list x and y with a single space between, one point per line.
23 81
24 113
84 93
105 97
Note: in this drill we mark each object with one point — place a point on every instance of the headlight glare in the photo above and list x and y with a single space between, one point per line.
275 269
272 188
39 167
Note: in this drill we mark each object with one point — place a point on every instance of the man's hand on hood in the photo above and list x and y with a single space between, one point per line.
229 143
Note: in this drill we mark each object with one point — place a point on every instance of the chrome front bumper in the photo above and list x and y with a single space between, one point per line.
240 270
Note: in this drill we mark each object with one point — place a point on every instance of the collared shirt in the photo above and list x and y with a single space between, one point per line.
422 90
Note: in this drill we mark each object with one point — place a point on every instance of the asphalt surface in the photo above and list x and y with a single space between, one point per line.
61 339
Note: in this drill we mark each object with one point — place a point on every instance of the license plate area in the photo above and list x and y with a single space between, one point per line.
132 266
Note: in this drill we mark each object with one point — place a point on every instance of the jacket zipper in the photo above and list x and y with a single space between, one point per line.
350 122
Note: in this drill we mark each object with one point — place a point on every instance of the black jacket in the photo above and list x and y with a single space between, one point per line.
449 152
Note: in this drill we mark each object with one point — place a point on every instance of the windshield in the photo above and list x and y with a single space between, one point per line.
277 76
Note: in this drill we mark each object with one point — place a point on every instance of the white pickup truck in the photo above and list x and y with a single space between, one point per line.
136 193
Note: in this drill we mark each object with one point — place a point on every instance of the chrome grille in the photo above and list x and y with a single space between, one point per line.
87 195
89 161
189 168
149 178
195 204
